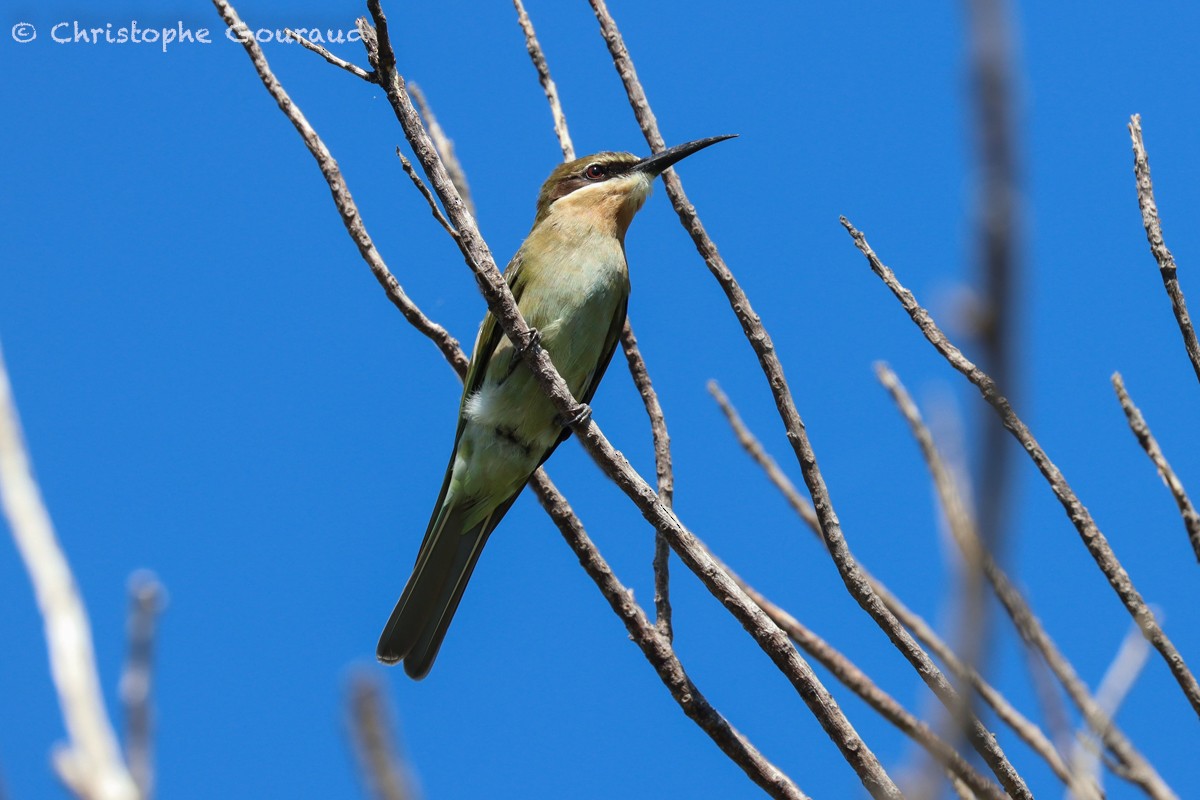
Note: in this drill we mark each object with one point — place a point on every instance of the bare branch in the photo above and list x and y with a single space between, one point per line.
500 302
147 599
543 71
1093 539
1158 246
375 746
424 190
331 58
90 763
445 148
1137 424
662 467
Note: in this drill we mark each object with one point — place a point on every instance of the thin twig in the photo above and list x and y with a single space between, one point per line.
445 148
353 69
662 468
1137 424
1093 539
424 190
839 550
770 638
1158 246
670 670
90 762
1118 680
770 466
373 732
147 599
543 71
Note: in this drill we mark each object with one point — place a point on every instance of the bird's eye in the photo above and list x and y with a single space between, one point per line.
595 172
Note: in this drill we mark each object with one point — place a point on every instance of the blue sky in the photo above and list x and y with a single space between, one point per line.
214 387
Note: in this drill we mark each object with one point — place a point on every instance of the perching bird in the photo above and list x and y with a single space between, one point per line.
571 282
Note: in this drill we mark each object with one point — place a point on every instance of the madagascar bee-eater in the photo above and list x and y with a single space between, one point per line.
571 282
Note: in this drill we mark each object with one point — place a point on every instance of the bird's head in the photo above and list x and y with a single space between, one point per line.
605 190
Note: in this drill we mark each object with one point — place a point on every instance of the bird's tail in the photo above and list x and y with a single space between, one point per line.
447 557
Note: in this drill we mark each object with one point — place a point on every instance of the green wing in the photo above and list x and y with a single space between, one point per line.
593 381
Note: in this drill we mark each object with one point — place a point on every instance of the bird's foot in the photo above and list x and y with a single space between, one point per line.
583 412
535 340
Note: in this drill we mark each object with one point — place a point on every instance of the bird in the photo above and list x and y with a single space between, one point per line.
570 280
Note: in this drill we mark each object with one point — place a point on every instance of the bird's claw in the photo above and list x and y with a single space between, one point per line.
535 340
582 414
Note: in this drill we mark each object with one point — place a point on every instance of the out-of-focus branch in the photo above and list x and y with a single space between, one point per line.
1093 538
445 148
656 647
1137 424
373 732
1158 246
770 638
543 70
147 599
992 70
90 763
1118 680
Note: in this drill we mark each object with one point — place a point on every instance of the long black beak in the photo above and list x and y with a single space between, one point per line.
656 164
